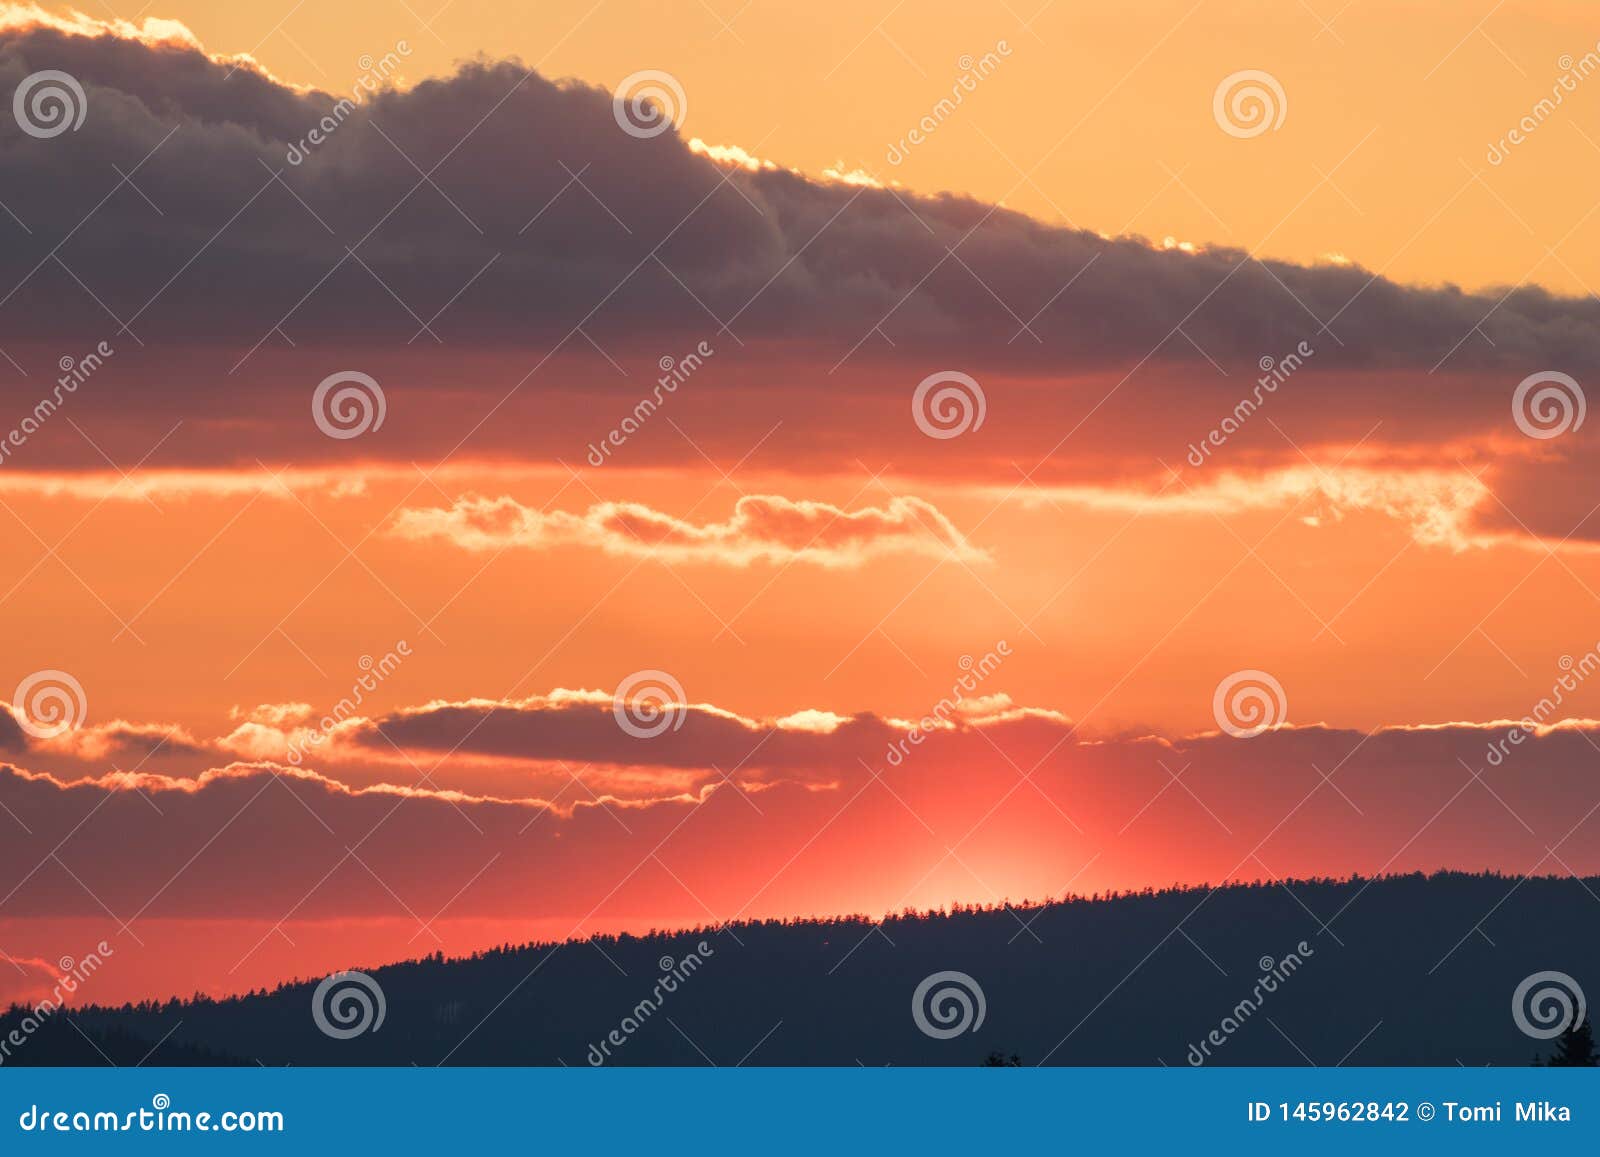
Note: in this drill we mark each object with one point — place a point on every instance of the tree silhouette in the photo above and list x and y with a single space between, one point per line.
559 1006
1575 1048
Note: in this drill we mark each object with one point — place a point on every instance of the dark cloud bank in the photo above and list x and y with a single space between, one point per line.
505 144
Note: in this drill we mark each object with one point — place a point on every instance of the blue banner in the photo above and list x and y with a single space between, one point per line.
740 1111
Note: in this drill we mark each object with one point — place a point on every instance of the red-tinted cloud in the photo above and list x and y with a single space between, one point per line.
1013 804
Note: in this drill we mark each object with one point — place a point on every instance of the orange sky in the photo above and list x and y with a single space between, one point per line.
1191 466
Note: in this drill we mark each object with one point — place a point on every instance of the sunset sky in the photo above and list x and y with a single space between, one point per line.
1085 400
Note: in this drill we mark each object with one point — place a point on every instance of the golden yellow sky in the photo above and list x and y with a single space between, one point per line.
1100 116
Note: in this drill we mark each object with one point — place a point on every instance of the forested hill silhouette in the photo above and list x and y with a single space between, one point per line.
1405 970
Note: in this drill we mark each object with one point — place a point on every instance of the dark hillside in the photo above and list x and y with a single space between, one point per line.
1396 971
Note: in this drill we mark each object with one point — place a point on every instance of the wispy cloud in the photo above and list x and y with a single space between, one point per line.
762 528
